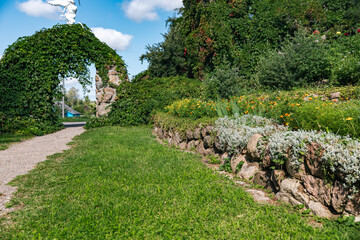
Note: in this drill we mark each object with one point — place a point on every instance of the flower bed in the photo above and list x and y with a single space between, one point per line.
307 112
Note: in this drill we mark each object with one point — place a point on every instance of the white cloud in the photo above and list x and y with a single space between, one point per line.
139 10
116 40
38 8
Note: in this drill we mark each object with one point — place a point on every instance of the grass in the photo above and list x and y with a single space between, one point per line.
8 138
119 183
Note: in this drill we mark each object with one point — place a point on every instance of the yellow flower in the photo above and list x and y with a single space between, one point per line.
338 33
349 119
246 112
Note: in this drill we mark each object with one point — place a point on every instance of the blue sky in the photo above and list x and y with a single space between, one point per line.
127 26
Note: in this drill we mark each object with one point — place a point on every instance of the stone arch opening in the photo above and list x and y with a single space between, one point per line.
31 69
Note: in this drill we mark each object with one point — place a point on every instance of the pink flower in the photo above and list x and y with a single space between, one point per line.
358 30
346 34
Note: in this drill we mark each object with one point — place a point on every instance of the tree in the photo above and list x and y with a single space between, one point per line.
72 97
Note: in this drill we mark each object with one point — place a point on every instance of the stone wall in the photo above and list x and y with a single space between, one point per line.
106 93
307 187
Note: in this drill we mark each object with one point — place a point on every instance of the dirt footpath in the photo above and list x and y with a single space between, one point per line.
20 158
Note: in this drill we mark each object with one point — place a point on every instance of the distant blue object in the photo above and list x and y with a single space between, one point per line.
69 112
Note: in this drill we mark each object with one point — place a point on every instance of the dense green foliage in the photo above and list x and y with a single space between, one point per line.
31 69
238 33
300 62
119 183
136 100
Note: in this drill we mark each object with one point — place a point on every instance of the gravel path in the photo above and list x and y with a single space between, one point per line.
20 158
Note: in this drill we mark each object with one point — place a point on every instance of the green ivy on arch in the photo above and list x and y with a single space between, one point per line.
31 69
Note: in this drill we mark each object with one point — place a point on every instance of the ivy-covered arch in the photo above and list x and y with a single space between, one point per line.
31 70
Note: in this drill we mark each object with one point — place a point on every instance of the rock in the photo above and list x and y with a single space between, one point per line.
248 170
107 98
178 138
209 129
160 133
209 152
318 188
200 148
204 132
276 177
98 78
353 205
99 85
339 197
112 72
191 145
99 95
293 170
218 148
110 90
262 178
183 145
284 197
313 160
319 210
197 134
266 162
259 196
252 147
175 138
189 135
294 189
224 157
335 95
102 109
169 140
114 79
208 143
235 161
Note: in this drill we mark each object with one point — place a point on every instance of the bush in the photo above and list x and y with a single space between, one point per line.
225 82
346 60
29 126
138 99
303 60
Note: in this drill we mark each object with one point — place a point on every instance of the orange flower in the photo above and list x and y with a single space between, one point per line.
282 116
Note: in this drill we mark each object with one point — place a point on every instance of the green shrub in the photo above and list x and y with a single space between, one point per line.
225 82
346 59
30 126
301 61
138 99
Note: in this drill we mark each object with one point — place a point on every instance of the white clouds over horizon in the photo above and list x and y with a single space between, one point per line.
140 10
38 8
116 40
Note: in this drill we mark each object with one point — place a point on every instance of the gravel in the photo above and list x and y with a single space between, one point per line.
20 158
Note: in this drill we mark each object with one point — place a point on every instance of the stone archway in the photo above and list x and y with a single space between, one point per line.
32 68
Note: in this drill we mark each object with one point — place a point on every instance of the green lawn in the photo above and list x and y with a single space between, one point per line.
119 183
9 138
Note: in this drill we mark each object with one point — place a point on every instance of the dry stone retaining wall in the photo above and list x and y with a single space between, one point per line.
305 187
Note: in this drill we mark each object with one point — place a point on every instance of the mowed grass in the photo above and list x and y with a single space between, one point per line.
7 139
119 183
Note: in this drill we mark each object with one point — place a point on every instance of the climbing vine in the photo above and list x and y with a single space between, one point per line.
31 69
